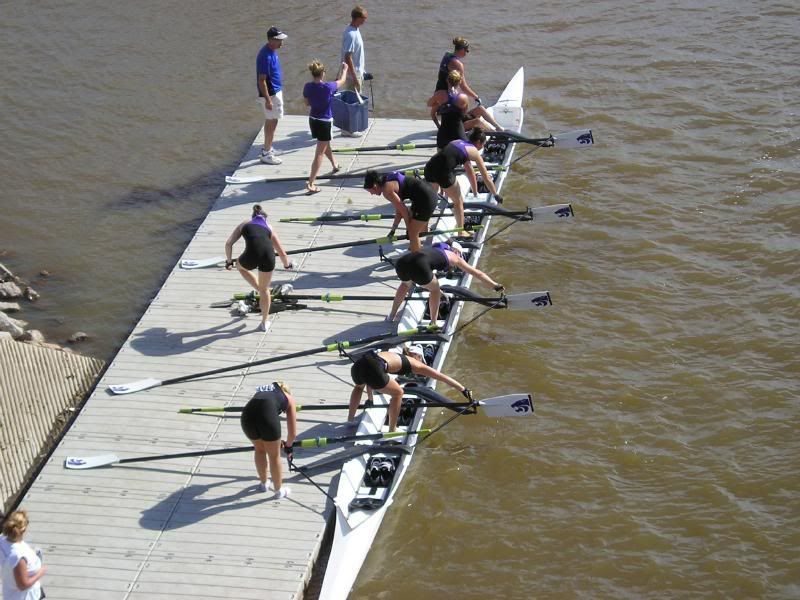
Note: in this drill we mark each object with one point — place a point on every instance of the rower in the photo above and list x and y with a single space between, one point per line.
261 424
371 372
441 170
396 187
452 61
418 267
453 117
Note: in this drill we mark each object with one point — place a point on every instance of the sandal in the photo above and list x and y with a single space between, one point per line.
336 169
312 189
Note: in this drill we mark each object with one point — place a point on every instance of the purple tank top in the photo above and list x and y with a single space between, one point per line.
261 221
396 176
462 147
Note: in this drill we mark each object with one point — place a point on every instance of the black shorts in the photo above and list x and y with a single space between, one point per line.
439 172
423 199
320 130
370 370
264 259
414 266
260 420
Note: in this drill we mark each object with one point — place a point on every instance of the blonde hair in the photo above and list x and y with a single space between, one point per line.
454 78
460 42
284 386
15 526
316 68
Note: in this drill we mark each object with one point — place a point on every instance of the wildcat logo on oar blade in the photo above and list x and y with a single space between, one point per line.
75 462
542 300
523 406
586 138
565 211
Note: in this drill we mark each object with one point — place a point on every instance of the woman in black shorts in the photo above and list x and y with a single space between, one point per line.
372 369
318 96
397 187
441 170
419 267
261 424
260 243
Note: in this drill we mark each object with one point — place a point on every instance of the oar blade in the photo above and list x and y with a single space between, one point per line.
581 138
90 462
553 213
133 387
512 405
529 300
202 263
243 180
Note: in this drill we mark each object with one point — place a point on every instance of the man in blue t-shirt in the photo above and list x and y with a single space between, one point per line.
353 55
270 96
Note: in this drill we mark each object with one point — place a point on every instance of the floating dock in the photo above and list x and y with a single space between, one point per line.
198 527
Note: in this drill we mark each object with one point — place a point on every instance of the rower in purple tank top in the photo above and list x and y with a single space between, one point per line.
441 170
260 245
396 187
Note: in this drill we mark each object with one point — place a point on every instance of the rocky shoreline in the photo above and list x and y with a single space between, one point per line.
14 291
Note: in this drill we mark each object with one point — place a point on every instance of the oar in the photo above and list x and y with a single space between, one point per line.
401 147
522 301
581 138
389 239
554 212
145 384
103 460
409 172
246 180
512 405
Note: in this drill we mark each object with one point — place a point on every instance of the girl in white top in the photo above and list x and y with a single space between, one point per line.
22 567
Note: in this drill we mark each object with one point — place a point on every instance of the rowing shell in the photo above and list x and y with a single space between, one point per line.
360 508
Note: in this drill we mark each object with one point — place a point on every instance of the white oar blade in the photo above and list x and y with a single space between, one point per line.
136 386
552 213
202 263
582 138
90 462
243 180
513 405
529 300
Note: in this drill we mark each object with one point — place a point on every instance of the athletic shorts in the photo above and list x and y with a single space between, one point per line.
264 259
370 370
260 420
277 106
320 130
414 266
423 199
437 171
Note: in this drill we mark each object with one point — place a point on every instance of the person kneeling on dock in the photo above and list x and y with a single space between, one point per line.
397 187
261 424
441 170
260 243
372 369
418 267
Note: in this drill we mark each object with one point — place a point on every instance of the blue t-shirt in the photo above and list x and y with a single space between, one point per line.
354 45
319 97
268 63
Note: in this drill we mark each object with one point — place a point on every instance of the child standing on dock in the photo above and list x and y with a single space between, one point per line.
318 95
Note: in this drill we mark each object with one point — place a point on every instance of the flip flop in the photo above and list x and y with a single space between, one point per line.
336 169
312 189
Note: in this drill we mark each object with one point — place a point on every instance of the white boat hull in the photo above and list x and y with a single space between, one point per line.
355 529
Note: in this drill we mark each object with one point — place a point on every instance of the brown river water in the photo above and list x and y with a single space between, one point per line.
664 458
